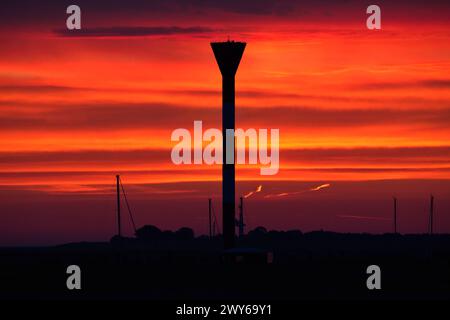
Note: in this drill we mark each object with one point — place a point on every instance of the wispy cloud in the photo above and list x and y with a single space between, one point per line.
249 194
140 31
284 194
345 216
425 84
324 159
104 116
322 186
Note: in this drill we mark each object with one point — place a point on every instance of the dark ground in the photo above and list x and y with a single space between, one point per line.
318 265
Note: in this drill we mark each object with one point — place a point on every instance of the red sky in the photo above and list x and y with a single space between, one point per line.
353 107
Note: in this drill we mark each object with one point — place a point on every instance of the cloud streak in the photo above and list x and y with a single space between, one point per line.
285 194
345 216
49 11
140 31
419 84
249 194
411 156
158 115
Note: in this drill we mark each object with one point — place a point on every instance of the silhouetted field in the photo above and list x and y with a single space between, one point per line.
168 266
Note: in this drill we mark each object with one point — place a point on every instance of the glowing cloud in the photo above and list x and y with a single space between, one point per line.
345 216
258 189
326 185
284 194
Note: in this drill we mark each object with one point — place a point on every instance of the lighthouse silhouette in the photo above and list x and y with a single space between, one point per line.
228 56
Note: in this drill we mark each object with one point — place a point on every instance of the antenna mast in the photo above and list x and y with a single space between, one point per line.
395 215
118 206
430 227
209 211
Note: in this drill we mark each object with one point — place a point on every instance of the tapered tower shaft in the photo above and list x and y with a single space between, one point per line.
228 56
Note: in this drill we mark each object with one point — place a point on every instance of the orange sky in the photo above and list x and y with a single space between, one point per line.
343 98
